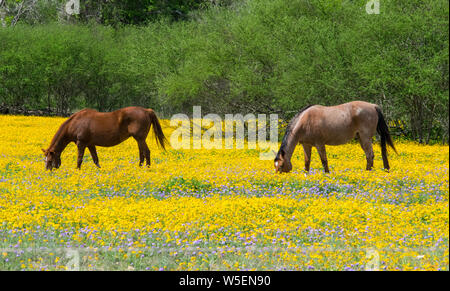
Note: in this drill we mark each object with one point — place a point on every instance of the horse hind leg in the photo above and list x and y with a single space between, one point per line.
366 144
139 133
93 152
141 155
144 152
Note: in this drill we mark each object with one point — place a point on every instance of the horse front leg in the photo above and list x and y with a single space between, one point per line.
323 157
81 149
307 153
93 152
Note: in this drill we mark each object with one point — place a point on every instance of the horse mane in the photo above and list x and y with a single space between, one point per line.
288 132
60 130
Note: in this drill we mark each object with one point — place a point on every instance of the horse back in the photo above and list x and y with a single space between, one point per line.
335 125
97 128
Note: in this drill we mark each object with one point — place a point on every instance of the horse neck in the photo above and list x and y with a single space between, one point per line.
60 146
289 147
59 141
293 134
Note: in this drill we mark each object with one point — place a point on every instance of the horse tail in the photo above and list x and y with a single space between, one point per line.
159 135
383 131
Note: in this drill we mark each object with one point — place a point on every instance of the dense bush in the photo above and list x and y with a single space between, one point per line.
266 56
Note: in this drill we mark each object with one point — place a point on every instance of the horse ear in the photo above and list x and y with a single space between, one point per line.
46 152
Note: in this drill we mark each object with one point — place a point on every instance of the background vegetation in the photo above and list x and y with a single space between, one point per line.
254 56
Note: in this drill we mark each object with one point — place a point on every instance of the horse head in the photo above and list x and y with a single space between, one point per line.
281 163
52 159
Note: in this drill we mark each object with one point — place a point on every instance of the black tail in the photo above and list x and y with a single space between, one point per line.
159 135
383 131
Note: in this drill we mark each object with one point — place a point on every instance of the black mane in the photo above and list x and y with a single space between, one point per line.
288 131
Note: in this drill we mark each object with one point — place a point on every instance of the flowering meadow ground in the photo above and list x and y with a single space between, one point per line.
218 209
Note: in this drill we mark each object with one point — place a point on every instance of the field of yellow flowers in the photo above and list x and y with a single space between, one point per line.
218 209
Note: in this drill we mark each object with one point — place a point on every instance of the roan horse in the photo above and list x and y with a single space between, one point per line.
90 128
317 126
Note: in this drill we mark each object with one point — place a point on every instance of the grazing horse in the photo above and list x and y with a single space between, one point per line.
317 126
90 128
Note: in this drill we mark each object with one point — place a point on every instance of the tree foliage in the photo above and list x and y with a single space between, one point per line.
255 56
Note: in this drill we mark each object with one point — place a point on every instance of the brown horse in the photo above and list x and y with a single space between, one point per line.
90 128
317 126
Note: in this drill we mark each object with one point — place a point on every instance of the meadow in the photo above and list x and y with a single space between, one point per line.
218 209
